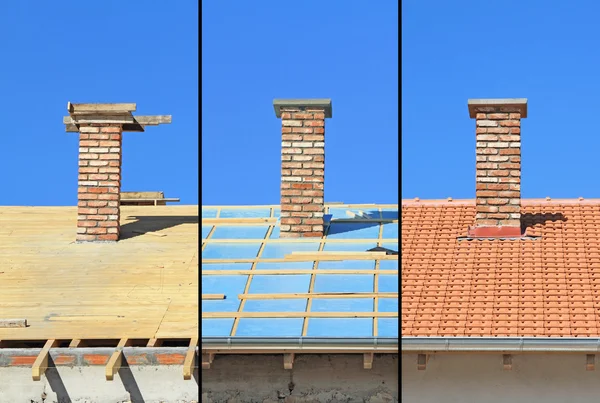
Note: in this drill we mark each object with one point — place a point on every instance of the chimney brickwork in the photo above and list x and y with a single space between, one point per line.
302 166
100 128
99 186
498 166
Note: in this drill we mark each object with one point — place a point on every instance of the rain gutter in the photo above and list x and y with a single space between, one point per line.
501 344
383 344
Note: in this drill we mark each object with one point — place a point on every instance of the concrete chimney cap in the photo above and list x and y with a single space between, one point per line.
324 103
497 105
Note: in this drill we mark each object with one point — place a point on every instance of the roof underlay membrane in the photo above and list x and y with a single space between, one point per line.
251 287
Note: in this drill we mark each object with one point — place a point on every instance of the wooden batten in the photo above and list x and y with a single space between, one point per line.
41 362
114 363
368 360
288 360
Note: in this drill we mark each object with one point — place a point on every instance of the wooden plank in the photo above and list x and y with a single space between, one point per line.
114 363
154 343
338 257
5 323
292 271
122 107
138 121
76 343
301 240
507 361
188 363
332 295
238 315
288 361
41 362
213 296
241 220
368 360
375 255
207 360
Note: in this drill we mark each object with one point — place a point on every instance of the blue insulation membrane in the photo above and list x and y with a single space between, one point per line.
276 305
388 305
240 232
348 264
279 284
277 212
343 283
390 230
284 265
388 283
226 266
209 212
231 286
340 327
386 327
388 213
351 247
206 230
388 264
217 327
270 327
342 305
279 250
230 250
229 304
353 231
245 213
390 245
275 232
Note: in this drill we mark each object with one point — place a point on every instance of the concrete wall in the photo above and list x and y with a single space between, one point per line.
317 378
459 378
78 376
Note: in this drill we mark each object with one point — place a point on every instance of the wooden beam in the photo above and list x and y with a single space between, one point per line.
340 255
76 343
114 363
188 363
292 271
207 359
288 360
213 296
41 362
422 362
507 361
4 323
299 314
154 343
341 295
241 220
301 240
590 362
368 360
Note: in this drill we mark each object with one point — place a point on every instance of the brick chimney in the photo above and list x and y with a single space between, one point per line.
498 191
302 165
101 128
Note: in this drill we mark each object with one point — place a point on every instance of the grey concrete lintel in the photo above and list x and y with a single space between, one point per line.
324 103
497 105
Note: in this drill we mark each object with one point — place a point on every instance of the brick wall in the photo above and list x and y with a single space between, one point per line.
302 171
98 211
498 166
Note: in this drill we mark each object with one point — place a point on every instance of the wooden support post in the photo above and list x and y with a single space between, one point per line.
422 361
590 362
368 360
114 363
207 359
288 361
41 362
507 361
188 363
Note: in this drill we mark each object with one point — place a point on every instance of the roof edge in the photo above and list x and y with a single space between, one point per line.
501 344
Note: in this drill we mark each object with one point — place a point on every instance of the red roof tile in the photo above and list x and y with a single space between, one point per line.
544 284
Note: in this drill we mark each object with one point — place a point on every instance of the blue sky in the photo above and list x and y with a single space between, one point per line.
107 51
253 52
544 51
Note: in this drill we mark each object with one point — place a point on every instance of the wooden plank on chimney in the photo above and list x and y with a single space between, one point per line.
123 107
41 362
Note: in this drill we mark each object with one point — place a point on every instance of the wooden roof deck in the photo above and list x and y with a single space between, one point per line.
143 287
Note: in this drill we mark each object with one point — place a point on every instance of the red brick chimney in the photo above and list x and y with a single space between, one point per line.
498 191
302 165
101 128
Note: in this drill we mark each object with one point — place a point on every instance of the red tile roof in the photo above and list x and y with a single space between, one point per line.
544 284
